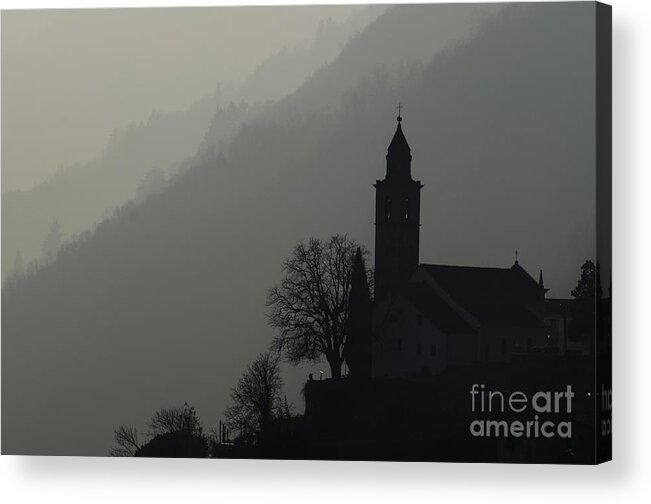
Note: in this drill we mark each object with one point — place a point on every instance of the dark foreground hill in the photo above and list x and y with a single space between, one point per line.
165 302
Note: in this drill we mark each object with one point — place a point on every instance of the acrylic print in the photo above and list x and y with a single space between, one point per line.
311 232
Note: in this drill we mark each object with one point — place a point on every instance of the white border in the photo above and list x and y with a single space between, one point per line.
627 479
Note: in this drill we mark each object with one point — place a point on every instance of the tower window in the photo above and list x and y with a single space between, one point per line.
419 349
387 208
503 345
420 319
405 209
432 350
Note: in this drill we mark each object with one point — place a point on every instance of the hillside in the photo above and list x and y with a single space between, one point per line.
81 196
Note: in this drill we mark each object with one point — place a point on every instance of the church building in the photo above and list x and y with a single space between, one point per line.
427 317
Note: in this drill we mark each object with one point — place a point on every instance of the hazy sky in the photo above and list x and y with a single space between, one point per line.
70 76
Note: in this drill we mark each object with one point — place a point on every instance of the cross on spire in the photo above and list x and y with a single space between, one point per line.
516 256
399 112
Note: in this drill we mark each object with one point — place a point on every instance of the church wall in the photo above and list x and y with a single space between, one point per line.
501 344
407 343
462 349
537 308
558 322
557 327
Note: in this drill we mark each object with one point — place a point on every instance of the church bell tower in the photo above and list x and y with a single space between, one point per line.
397 218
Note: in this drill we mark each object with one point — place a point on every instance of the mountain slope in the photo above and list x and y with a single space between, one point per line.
81 196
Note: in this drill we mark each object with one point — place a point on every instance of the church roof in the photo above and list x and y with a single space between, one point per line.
475 284
495 296
430 304
498 315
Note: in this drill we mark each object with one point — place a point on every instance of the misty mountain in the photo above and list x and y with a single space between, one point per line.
287 70
81 196
422 35
165 302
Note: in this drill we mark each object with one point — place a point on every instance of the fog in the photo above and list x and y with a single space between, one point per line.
69 77
136 78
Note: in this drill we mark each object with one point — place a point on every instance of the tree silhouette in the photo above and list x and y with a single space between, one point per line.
358 326
586 293
310 305
126 442
177 419
179 444
256 398
172 432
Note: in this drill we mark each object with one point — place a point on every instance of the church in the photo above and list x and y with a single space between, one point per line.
427 317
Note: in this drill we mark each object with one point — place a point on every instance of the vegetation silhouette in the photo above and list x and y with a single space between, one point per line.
309 306
126 442
358 329
178 444
256 399
587 294
173 432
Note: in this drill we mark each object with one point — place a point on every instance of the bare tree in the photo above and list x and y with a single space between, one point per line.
166 427
310 305
255 398
126 442
176 419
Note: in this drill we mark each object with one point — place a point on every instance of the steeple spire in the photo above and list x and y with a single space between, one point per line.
399 152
